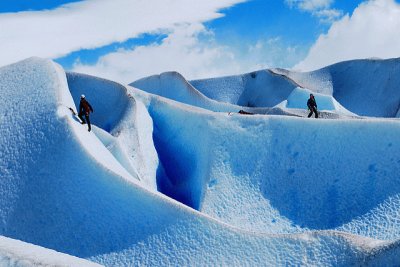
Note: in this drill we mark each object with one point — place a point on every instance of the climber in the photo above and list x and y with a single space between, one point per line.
312 106
84 109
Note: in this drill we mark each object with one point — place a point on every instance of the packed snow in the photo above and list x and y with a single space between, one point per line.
20 254
366 87
299 96
173 174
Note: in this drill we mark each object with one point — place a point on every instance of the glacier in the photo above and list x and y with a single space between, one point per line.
172 174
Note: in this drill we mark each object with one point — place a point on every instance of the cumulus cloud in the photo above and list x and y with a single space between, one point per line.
187 49
191 50
94 23
318 8
371 31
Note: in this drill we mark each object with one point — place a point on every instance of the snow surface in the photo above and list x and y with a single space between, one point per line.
174 86
20 254
368 87
299 96
257 89
175 176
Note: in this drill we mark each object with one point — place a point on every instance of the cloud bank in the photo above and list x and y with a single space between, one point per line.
371 31
95 23
191 50
318 8
183 50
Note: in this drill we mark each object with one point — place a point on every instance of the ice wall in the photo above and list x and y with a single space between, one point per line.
367 87
257 89
64 188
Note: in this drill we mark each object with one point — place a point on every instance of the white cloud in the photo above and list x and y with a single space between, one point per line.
328 16
318 8
309 5
314 5
371 31
272 52
190 50
95 23
183 50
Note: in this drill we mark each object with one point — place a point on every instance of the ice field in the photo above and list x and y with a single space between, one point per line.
172 174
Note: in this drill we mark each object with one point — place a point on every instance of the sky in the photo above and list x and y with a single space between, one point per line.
125 40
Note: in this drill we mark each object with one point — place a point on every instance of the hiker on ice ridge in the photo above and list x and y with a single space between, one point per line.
312 106
84 109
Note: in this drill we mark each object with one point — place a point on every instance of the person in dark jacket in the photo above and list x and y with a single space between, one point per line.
84 109
312 106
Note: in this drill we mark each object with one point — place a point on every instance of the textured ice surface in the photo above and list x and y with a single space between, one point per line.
257 89
365 87
158 182
16 253
299 96
174 86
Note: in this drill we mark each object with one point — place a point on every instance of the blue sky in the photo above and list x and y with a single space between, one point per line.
243 25
25 5
127 39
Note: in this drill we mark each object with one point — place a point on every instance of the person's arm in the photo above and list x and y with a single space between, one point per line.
90 107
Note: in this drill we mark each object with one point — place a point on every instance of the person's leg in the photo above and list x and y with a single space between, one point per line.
80 115
311 112
88 122
316 113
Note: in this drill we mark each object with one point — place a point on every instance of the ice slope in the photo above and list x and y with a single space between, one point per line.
261 92
81 193
367 87
298 100
279 174
256 89
16 253
174 86
125 125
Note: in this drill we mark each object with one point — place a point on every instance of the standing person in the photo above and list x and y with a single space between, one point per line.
84 109
312 106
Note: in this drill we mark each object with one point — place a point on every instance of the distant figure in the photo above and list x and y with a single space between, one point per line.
84 109
245 112
242 112
312 106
